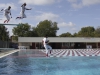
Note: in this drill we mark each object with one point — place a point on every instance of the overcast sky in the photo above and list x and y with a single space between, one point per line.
71 15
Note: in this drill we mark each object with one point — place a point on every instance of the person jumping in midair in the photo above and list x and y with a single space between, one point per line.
7 11
22 13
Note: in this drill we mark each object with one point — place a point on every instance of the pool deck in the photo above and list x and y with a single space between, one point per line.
4 53
55 52
74 52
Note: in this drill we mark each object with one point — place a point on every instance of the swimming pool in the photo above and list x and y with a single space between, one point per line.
18 65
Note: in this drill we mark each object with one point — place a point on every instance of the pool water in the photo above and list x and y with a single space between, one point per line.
13 65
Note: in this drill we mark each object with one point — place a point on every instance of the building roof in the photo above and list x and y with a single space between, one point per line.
59 39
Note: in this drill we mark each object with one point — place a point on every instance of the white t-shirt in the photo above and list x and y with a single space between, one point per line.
23 8
45 40
6 11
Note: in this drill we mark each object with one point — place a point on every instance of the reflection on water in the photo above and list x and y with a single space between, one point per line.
49 66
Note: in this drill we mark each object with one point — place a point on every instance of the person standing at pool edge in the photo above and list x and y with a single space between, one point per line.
22 13
47 47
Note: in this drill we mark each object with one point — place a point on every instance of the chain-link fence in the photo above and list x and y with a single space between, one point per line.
4 44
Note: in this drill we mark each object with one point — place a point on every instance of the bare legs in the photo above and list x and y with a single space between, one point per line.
6 21
48 49
47 53
18 17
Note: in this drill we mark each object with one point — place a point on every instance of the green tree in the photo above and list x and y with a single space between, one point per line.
24 30
86 32
65 34
34 32
4 34
74 35
97 32
14 38
47 27
21 30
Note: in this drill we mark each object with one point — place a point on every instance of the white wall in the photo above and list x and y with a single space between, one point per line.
24 47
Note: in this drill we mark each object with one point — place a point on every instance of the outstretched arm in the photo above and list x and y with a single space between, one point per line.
28 9
2 9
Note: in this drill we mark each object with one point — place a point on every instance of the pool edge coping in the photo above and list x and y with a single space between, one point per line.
11 52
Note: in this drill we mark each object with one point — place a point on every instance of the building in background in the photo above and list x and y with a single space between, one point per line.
59 42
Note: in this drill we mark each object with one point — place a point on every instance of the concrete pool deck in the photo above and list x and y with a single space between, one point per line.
4 53
74 52
55 52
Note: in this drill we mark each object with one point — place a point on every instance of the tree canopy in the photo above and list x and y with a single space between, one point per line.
97 32
4 34
43 28
65 35
86 32
22 30
50 28
47 27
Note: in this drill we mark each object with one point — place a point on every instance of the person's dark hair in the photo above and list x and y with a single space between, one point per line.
23 4
9 7
46 35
